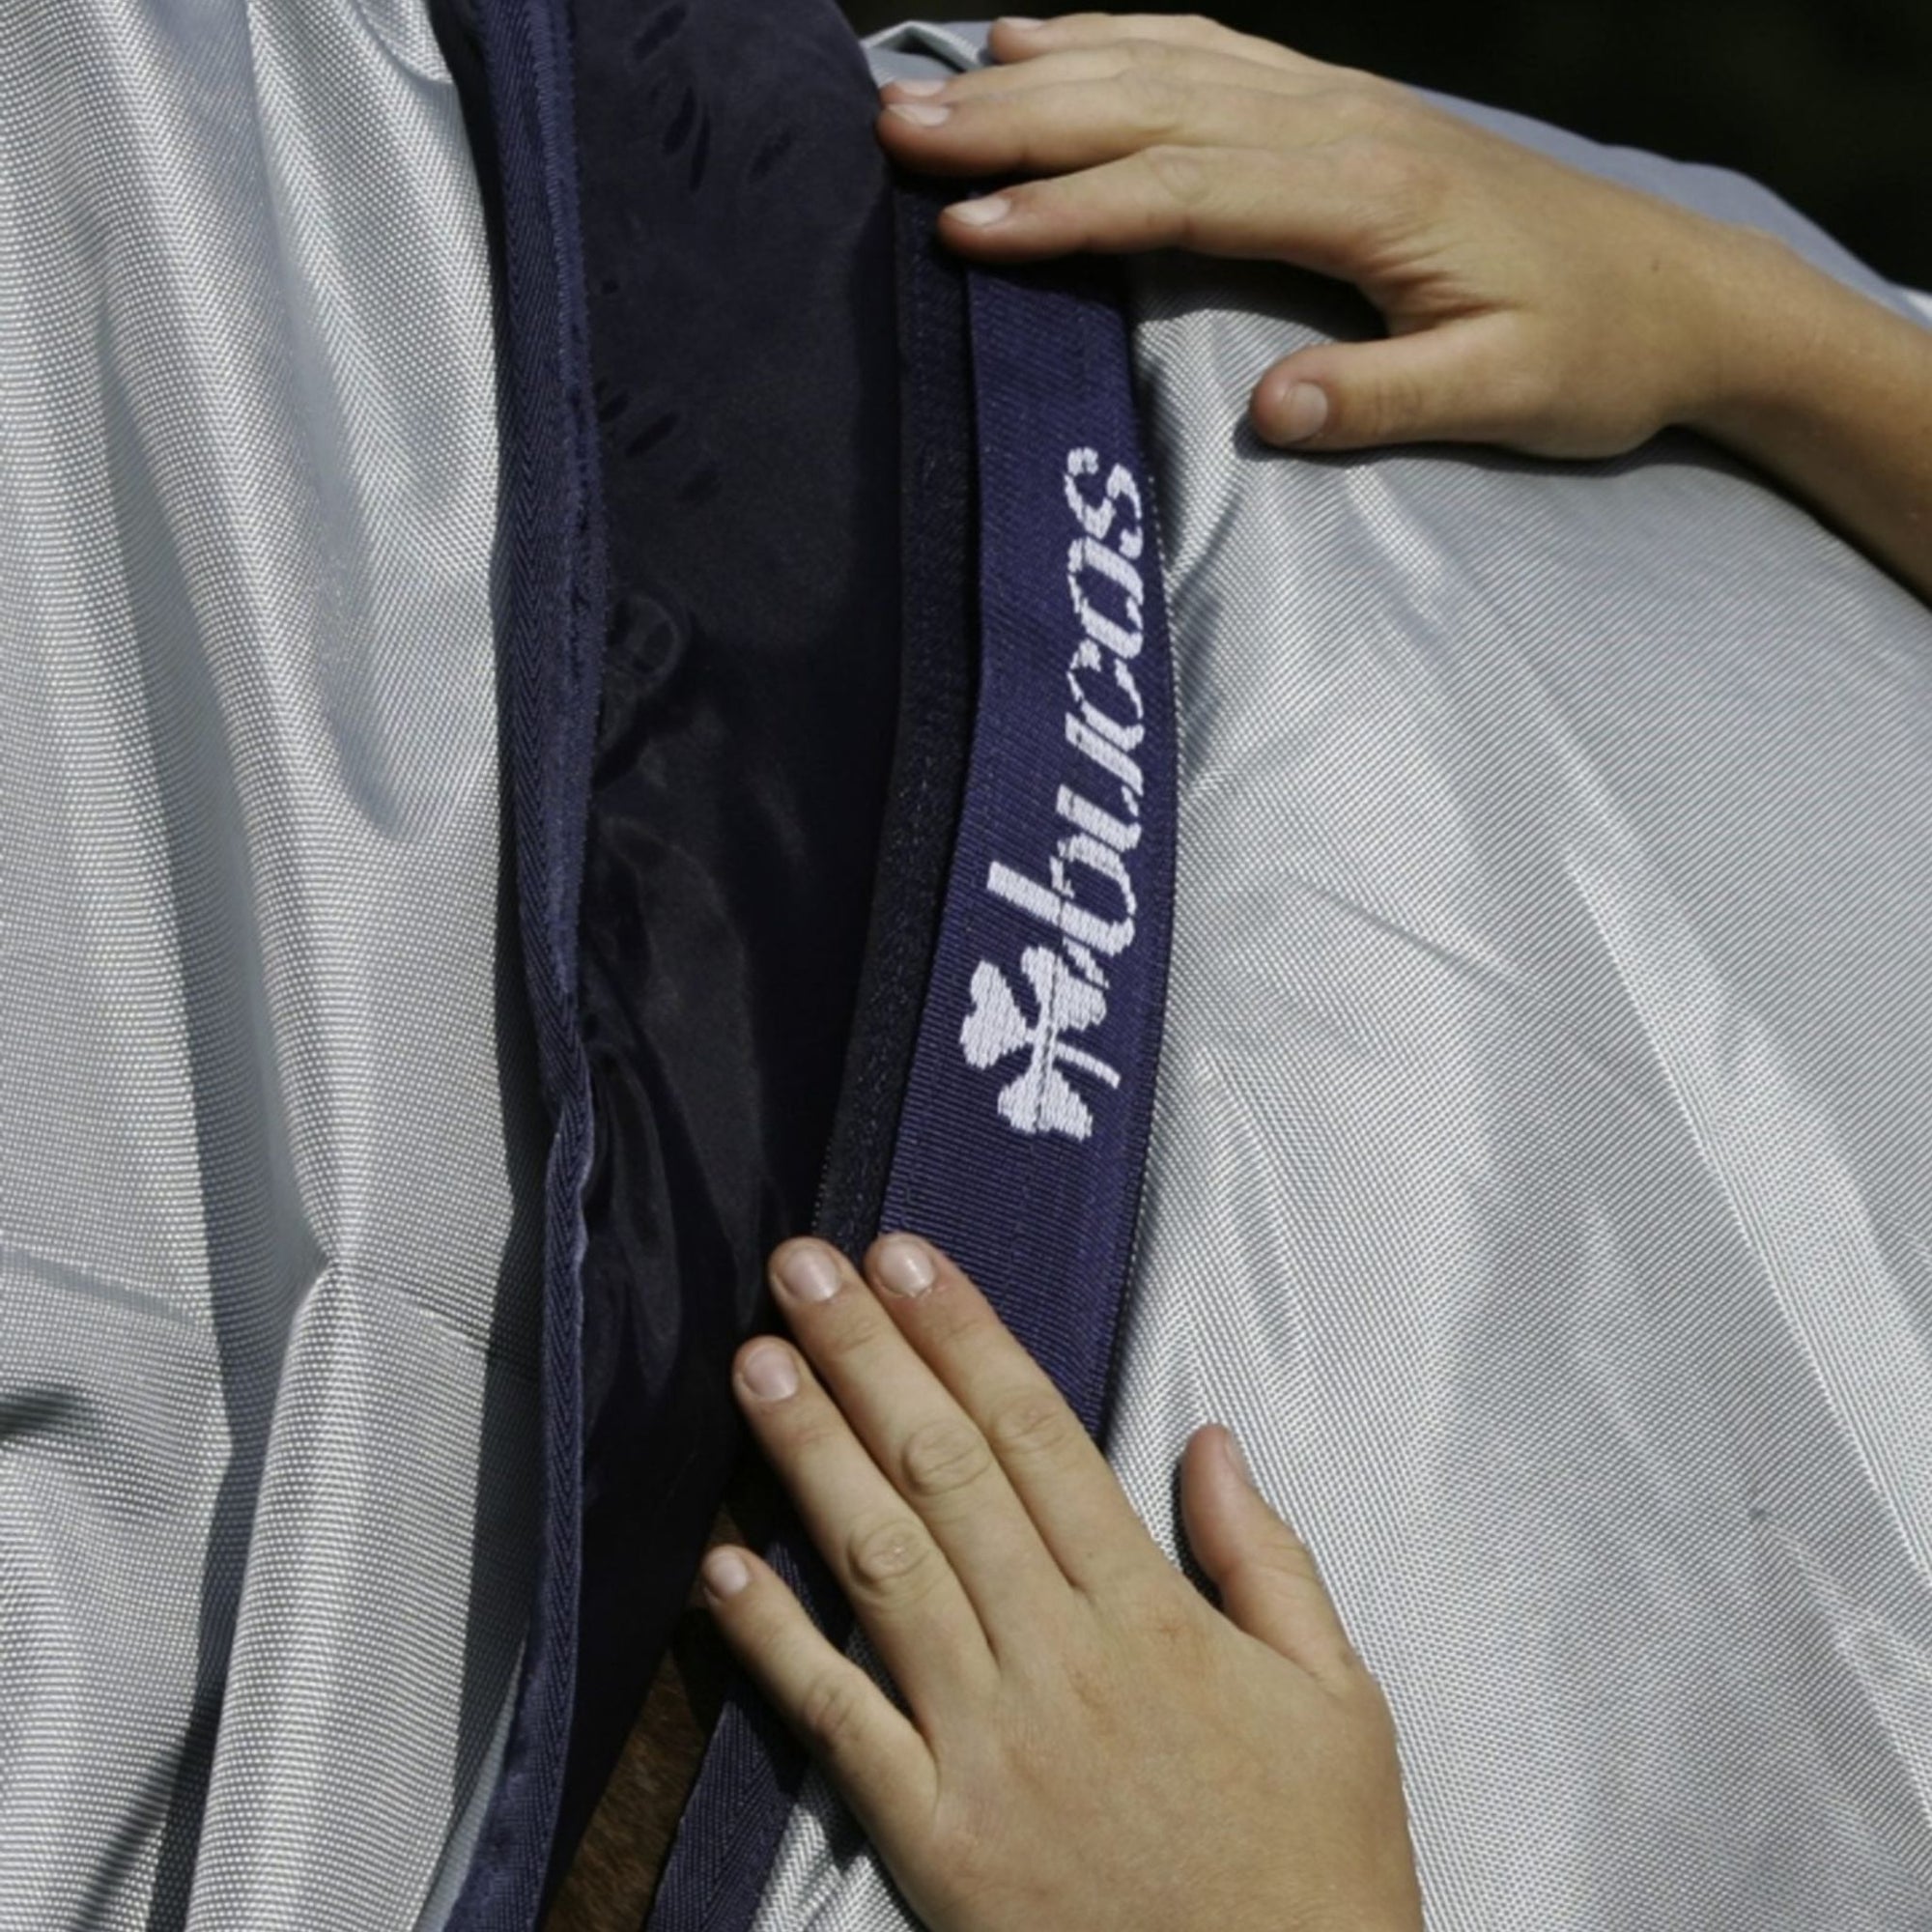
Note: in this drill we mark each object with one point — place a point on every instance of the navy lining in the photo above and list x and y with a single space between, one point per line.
739 265
736 371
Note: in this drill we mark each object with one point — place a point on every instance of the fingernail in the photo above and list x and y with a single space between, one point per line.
808 1272
983 212
725 1573
1231 1449
920 87
1301 412
770 1372
1022 21
922 114
905 1265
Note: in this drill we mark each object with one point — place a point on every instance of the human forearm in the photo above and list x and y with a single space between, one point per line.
1829 392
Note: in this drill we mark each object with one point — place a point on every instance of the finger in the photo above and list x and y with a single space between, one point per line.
1267 1578
927 1446
1116 61
1467 381
876 1758
1012 40
900 1583
1081 124
1054 1466
1310 207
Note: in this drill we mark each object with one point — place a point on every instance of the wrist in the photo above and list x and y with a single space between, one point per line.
1828 391
1764 318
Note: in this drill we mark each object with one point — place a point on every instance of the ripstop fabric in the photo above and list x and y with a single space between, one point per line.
268 1244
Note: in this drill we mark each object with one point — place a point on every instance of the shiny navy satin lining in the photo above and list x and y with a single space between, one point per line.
1023 1133
738 256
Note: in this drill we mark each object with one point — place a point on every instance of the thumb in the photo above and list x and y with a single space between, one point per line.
1457 382
1268 1584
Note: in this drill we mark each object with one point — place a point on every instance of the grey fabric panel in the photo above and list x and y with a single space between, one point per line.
266 1255
1541 1171
1541 1161
926 49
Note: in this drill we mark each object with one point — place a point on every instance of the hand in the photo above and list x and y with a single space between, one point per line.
1527 304
1086 1742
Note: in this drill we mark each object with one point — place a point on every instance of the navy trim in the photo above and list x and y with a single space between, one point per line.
554 614
1022 1138
1026 1124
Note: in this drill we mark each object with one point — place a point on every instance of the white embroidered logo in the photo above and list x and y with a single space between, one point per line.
1043 1098
1069 985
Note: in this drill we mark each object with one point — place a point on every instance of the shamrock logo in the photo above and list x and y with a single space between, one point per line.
1040 1098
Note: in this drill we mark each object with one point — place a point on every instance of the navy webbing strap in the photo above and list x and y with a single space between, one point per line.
1025 1126
1023 1130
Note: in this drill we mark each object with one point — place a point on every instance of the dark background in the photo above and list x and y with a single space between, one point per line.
1829 102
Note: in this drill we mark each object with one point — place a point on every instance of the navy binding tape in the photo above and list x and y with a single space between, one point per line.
1023 1133
1025 1126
